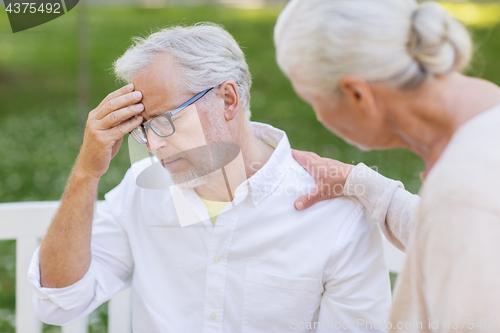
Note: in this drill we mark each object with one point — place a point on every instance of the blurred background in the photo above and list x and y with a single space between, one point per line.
52 75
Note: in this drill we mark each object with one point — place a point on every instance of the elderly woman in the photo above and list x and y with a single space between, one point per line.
384 74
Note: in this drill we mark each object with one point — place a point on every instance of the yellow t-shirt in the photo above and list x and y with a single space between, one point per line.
215 207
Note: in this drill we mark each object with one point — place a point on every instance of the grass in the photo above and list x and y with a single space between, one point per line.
39 137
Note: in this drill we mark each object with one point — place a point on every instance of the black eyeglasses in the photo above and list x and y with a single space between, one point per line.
163 125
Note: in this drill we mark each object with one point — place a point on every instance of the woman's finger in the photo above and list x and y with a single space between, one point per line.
308 160
307 200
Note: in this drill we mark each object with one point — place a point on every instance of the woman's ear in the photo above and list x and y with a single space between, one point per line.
359 94
229 93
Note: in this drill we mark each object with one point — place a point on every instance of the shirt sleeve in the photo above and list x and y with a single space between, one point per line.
109 272
386 201
357 294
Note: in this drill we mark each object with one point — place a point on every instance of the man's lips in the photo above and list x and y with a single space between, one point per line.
169 161
168 158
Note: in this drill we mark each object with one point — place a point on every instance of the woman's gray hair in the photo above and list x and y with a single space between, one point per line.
205 53
396 41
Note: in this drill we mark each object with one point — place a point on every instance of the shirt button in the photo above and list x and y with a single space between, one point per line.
213 316
216 260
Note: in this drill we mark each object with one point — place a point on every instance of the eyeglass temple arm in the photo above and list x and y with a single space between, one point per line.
191 101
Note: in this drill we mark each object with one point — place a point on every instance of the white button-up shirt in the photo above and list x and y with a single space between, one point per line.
263 267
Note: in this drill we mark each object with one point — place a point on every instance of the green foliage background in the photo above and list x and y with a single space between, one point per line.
39 134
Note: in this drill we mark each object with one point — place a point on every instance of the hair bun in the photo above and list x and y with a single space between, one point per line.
439 43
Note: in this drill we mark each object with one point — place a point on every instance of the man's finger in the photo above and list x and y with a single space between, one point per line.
122 91
125 127
118 116
116 147
118 103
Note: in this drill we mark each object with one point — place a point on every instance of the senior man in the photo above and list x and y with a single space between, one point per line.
251 262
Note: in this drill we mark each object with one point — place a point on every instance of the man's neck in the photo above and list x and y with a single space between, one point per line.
254 153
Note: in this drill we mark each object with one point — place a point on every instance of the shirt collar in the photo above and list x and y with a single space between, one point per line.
258 186
267 178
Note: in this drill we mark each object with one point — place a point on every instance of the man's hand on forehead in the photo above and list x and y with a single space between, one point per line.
117 115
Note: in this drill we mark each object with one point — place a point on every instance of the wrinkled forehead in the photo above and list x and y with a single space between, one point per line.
161 86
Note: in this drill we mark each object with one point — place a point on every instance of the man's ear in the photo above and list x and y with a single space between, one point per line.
229 93
359 94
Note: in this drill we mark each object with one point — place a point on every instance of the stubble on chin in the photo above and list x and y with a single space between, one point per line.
192 182
203 171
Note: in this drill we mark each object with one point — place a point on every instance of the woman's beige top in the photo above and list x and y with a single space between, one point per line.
451 278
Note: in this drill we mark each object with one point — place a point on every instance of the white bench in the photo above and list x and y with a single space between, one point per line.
27 222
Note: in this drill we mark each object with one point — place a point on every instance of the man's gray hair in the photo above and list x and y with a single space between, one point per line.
205 53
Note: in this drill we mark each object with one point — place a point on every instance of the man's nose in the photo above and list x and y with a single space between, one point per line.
154 142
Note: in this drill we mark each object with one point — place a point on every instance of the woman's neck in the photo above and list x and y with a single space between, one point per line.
437 110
